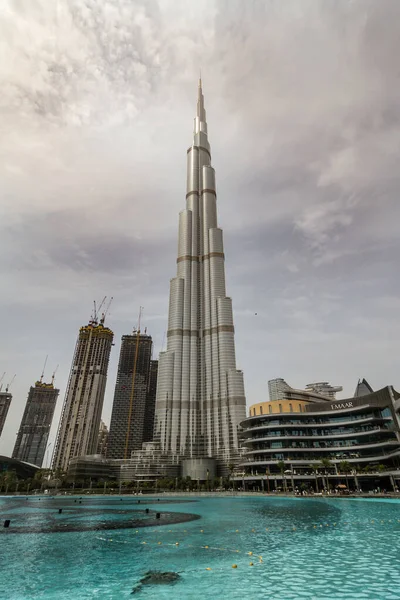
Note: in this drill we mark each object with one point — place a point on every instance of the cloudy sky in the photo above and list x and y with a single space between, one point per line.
96 107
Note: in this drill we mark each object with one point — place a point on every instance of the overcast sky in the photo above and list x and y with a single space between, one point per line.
96 113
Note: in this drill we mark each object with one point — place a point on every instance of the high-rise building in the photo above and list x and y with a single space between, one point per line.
5 401
277 388
132 416
102 440
200 393
363 388
148 428
34 430
324 388
80 419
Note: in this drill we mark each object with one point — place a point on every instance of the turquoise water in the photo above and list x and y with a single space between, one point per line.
314 548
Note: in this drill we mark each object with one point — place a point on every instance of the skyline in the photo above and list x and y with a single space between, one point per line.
305 143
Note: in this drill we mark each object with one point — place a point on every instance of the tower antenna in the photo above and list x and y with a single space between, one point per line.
44 367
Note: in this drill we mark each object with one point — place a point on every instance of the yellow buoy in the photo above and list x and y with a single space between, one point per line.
176 543
234 566
208 569
250 553
159 543
201 530
205 546
253 530
237 530
250 564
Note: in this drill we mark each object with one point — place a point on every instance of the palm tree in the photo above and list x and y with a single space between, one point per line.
281 466
2 480
315 468
10 478
231 468
326 465
345 468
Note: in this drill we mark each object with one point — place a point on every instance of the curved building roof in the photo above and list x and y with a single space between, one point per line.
22 469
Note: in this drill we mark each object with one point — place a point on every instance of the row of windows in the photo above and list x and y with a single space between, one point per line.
329 419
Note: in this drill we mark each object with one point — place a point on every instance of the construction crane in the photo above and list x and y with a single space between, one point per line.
9 385
44 367
54 374
103 316
128 429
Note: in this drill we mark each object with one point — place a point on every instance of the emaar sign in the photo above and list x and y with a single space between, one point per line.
341 405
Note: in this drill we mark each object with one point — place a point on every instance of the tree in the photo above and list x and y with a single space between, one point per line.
345 468
326 465
315 468
10 478
282 466
231 468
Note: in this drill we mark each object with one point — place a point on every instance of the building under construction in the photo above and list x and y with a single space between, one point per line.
5 401
80 420
36 422
132 418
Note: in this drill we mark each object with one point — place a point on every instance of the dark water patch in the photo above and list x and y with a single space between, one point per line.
60 526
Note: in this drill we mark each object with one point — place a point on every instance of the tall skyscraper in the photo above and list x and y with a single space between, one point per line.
148 428
102 440
132 417
200 393
80 419
5 401
34 430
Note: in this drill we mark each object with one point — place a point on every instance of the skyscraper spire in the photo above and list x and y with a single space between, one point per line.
200 394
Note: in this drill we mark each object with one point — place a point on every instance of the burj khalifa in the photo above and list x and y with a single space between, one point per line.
200 394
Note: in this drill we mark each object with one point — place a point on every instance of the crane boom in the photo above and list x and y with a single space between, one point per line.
11 382
44 367
54 374
103 316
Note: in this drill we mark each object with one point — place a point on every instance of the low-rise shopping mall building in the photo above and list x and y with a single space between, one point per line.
319 444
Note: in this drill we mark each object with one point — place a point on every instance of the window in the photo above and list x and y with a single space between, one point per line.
261 412
270 409
290 408
280 408
300 408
